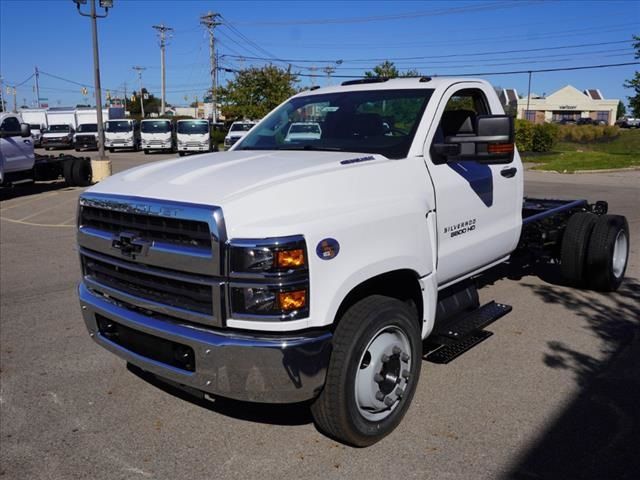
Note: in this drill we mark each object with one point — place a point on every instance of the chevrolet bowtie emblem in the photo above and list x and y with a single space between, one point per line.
130 245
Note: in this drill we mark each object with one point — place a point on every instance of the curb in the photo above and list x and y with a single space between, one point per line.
604 170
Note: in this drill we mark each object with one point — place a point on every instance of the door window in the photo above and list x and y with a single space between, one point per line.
10 125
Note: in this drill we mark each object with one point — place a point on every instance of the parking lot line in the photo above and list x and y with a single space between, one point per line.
46 209
60 225
28 201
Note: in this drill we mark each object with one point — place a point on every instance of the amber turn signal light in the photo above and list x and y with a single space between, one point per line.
290 258
293 300
500 148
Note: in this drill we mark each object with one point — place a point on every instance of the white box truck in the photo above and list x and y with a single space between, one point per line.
193 136
157 134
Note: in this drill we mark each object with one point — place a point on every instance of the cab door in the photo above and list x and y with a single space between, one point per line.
478 204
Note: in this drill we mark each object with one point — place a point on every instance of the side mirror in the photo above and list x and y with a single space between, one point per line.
25 130
492 143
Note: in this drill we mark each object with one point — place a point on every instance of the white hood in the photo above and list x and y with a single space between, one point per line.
271 192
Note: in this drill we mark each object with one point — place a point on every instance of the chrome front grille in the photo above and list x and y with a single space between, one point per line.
159 256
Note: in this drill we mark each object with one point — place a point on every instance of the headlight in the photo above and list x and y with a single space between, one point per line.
269 278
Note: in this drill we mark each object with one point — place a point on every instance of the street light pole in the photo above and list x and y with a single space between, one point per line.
101 168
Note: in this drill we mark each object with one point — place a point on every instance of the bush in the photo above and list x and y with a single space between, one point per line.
217 136
587 133
535 137
524 135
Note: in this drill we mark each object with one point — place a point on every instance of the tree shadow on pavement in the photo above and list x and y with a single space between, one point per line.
597 436
272 414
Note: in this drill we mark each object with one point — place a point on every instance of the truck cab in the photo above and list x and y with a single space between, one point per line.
313 268
121 134
193 136
157 134
237 131
16 147
58 136
86 137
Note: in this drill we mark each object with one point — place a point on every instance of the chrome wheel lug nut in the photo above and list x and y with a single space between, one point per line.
405 374
399 392
404 357
384 358
396 350
379 396
388 402
378 378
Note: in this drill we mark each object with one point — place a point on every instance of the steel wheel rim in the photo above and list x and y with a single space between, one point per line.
383 373
620 251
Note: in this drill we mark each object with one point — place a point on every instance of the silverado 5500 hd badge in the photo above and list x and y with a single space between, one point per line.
460 228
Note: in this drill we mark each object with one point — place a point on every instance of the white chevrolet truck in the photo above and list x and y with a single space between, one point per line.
314 269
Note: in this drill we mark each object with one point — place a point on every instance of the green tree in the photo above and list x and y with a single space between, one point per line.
254 92
622 110
151 104
634 83
388 69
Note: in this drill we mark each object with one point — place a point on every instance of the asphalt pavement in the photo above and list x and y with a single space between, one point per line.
553 394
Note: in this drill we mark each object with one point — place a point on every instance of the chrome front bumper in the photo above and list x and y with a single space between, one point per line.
251 367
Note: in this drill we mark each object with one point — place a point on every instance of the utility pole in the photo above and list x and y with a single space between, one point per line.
101 168
528 97
37 87
15 100
329 71
313 69
2 105
140 70
162 33
209 21
125 98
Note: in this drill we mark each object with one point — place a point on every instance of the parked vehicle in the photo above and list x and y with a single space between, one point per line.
586 121
314 270
19 163
300 131
57 136
62 116
122 134
237 131
193 136
36 134
628 122
86 137
157 134
37 120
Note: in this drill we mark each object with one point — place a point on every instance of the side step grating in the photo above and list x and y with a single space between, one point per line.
465 332
469 323
446 353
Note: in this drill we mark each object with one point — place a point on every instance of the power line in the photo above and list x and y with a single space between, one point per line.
424 57
400 16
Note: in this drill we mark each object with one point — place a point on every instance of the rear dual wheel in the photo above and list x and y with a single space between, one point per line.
77 172
373 371
595 250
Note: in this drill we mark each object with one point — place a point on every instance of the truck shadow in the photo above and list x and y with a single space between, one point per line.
272 414
597 436
25 190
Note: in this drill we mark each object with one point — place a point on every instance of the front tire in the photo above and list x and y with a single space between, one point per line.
373 372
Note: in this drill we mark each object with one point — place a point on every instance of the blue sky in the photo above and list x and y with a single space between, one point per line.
455 37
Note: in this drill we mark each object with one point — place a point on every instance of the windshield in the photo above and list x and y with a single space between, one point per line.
241 127
59 128
193 127
87 128
155 127
119 126
376 121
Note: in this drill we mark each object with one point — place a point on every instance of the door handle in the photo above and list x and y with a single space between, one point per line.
509 172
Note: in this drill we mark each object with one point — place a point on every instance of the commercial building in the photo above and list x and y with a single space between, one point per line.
565 105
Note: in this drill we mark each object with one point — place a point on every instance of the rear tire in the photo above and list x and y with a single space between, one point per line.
146 152
608 253
111 150
373 372
575 242
67 172
181 154
81 172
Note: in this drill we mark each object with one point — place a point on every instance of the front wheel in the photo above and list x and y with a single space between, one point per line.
373 371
